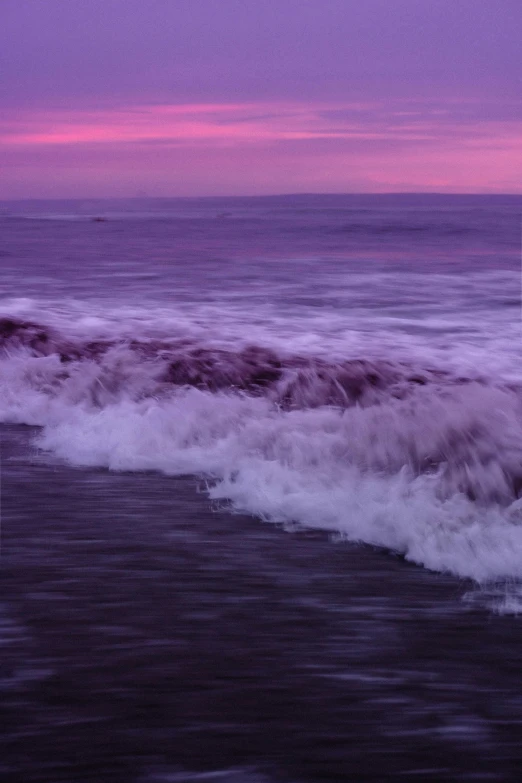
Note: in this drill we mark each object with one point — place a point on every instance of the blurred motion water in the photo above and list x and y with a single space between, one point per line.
347 367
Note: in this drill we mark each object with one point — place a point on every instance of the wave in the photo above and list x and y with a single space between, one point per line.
420 460
291 381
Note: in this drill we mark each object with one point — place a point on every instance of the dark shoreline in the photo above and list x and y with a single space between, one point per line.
148 637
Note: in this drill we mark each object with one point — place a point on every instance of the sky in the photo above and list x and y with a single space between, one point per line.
123 98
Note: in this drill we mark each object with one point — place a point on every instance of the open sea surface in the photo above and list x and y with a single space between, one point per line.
261 475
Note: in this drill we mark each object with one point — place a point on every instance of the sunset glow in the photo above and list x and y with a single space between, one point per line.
292 146
364 98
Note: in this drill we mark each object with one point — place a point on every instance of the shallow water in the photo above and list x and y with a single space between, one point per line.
148 636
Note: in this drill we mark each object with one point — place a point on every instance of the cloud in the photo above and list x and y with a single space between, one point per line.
251 123
266 147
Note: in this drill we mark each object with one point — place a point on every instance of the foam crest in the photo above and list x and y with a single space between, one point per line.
354 473
418 460
138 366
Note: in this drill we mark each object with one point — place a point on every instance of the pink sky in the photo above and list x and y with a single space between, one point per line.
412 119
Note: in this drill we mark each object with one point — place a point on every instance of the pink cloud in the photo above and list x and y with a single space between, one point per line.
259 148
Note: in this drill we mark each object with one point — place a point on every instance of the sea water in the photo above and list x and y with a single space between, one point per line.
346 368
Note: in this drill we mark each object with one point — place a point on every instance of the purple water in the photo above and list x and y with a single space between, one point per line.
345 367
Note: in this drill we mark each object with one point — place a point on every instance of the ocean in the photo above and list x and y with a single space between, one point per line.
261 466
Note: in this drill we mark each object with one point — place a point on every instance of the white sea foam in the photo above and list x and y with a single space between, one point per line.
489 339
433 473
311 467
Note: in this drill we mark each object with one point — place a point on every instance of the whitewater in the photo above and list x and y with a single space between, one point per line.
351 366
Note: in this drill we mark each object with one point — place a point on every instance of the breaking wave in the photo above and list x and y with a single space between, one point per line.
418 459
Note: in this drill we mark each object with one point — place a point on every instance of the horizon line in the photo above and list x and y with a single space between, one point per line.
304 194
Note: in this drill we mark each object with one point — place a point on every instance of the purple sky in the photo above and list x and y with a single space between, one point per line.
195 97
